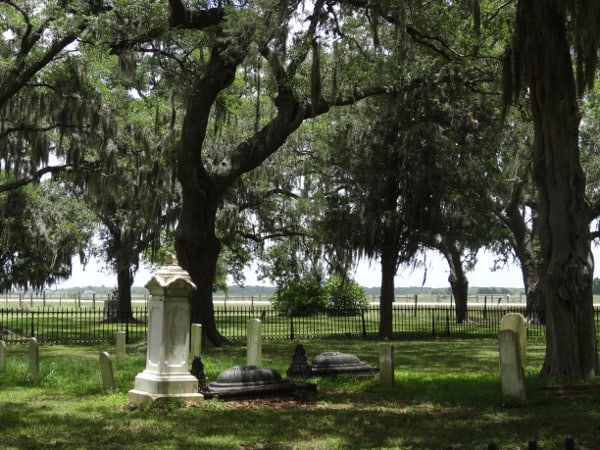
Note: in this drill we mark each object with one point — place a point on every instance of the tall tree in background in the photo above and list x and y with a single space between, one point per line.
548 34
39 92
41 227
413 171
133 191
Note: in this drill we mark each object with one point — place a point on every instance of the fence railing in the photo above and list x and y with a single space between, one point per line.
97 325
69 325
409 321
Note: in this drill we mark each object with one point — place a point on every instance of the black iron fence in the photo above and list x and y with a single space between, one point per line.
409 321
97 325
69 325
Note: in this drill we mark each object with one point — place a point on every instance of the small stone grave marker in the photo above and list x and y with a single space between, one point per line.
34 359
516 322
2 355
254 345
511 369
106 369
386 365
196 340
121 344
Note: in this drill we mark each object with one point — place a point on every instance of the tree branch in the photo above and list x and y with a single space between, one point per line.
37 175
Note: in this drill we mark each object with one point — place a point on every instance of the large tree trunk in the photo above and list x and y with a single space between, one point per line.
203 189
198 251
124 283
521 242
458 283
196 244
564 213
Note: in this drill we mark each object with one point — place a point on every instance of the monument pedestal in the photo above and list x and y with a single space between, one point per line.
166 375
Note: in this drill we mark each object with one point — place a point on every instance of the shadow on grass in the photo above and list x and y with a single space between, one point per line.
335 419
446 393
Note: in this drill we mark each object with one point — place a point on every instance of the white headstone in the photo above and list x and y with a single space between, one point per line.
121 344
386 365
2 355
34 359
511 369
516 322
106 369
196 345
166 374
254 343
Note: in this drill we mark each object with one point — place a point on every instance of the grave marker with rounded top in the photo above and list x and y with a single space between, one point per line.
511 369
34 359
516 322
106 369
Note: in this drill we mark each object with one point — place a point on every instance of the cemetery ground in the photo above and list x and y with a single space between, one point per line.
447 393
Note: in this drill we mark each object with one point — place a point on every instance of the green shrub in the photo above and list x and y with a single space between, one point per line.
345 296
300 297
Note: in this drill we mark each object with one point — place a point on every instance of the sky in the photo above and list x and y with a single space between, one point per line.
367 275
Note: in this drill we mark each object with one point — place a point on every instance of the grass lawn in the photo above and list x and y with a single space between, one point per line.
446 394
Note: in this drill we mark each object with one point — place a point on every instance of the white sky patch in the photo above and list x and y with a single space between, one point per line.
8 35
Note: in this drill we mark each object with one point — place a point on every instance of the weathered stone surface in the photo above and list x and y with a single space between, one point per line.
34 359
300 368
252 381
516 322
196 344
511 370
121 338
2 355
386 365
254 343
106 369
336 363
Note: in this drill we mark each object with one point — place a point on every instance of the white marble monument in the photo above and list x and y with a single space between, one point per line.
166 375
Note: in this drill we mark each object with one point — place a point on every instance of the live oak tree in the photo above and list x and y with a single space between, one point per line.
297 88
38 89
413 170
555 54
514 197
42 225
133 190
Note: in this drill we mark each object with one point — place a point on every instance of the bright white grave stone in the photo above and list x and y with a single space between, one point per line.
254 343
166 374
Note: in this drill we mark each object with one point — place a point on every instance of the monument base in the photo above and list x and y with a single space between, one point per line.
141 397
150 387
